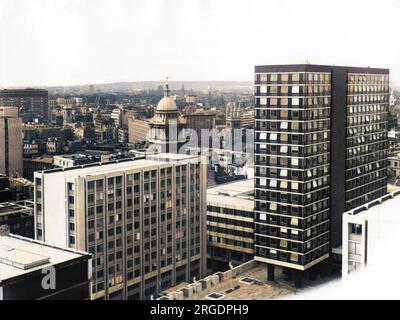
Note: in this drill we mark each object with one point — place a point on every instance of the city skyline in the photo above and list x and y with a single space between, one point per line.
86 42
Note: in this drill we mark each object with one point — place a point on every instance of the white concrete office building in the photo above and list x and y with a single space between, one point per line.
143 220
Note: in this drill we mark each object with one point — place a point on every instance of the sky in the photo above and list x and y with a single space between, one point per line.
67 42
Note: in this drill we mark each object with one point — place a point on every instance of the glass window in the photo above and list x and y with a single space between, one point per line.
273 77
273 183
295 77
284 77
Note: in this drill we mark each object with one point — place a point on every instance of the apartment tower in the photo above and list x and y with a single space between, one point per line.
321 149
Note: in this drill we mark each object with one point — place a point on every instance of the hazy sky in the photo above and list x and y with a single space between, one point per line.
63 42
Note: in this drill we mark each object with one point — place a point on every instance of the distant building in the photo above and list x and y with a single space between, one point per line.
137 130
15 189
200 119
31 103
123 136
41 163
191 99
237 118
230 224
143 220
394 165
24 264
10 142
166 127
54 145
18 216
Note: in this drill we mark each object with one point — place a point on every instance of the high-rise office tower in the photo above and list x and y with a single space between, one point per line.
10 142
143 220
320 150
31 103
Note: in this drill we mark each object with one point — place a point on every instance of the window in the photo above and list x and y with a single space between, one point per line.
284 77
295 101
284 149
263 216
295 89
295 161
263 89
284 125
273 77
295 186
272 206
295 77
283 173
283 185
273 183
272 137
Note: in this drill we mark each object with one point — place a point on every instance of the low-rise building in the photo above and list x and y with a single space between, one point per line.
137 130
370 234
230 224
18 216
32 270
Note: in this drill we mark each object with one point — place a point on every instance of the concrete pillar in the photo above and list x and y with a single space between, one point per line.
270 272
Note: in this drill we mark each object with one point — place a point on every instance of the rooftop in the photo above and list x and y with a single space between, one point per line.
118 165
7 208
233 194
245 282
389 204
20 255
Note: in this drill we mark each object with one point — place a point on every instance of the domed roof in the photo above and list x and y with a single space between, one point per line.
167 103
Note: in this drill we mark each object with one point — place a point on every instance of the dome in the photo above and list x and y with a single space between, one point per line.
167 104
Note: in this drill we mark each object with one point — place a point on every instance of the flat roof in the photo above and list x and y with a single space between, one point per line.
259 289
7 208
316 68
237 194
19 255
389 205
118 165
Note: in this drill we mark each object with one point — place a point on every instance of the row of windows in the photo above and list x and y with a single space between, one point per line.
368 78
293 77
288 114
290 204
292 162
292 257
367 88
230 211
274 90
293 126
310 102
